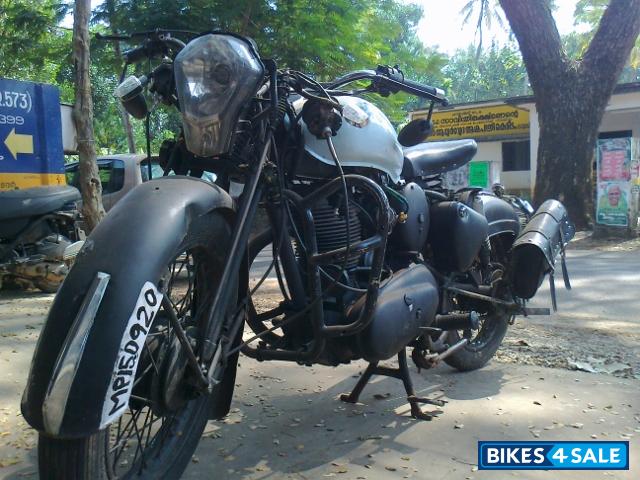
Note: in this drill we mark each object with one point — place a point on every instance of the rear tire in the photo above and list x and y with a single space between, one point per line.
473 357
166 452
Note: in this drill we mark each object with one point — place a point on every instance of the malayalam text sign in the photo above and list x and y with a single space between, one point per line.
495 121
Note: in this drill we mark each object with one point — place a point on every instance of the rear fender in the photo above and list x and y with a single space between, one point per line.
501 216
147 225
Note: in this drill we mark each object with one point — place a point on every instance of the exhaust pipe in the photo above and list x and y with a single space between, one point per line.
457 321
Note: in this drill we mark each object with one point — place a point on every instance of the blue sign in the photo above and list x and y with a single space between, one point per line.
541 455
31 151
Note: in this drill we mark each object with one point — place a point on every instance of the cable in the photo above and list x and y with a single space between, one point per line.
332 149
335 281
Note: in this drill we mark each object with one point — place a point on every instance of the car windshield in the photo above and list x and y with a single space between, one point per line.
157 172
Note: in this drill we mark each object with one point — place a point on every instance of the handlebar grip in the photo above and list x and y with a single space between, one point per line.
398 80
136 55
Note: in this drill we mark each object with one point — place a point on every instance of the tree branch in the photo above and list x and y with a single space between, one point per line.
613 41
539 40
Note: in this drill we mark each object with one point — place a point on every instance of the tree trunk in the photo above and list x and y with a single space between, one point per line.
90 185
571 96
126 121
128 129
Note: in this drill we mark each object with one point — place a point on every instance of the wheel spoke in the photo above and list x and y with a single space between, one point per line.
139 445
143 422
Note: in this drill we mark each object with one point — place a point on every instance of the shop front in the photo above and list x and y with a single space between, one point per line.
507 131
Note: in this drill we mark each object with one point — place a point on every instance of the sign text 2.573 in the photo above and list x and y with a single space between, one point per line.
19 100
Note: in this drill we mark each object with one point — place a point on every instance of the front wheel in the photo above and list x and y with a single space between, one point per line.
166 414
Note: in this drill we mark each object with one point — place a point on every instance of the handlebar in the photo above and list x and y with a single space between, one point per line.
391 80
157 43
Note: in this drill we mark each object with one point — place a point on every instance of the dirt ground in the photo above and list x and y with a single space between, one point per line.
287 423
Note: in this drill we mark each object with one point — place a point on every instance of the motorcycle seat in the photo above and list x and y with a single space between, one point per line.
36 201
433 158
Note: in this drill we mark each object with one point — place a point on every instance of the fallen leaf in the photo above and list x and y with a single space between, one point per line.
381 396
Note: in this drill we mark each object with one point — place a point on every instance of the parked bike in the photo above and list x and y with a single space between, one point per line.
372 257
39 237
522 207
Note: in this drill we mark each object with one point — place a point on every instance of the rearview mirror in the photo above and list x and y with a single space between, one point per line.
415 132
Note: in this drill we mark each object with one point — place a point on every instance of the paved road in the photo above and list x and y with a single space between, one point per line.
606 290
287 422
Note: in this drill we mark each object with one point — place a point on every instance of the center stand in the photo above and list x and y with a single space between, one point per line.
401 373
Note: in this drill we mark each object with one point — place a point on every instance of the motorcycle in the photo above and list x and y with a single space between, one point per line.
39 238
522 207
372 257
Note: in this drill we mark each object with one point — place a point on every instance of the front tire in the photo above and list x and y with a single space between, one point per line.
155 438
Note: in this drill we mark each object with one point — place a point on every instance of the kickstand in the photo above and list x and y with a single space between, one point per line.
401 373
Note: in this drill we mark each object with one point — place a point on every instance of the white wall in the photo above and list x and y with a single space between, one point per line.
490 152
622 113
624 120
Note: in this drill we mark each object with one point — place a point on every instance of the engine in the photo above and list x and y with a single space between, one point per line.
408 297
331 227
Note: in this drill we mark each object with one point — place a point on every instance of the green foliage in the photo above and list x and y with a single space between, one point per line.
323 38
484 13
33 47
590 12
496 73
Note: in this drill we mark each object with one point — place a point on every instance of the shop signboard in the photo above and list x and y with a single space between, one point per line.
481 123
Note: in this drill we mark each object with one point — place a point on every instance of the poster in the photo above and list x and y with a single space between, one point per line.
614 159
479 174
457 179
613 204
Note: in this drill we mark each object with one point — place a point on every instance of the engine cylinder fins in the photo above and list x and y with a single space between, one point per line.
331 228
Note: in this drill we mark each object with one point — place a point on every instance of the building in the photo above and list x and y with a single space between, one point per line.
507 133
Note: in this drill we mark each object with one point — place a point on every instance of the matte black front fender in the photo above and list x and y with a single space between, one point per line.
148 224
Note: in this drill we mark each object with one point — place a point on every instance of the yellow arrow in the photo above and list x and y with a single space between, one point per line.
19 143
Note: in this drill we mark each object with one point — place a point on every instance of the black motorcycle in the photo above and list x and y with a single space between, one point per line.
372 257
39 236
522 207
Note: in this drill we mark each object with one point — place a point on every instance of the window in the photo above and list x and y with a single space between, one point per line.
618 134
111 174
72 175
156 170
516 156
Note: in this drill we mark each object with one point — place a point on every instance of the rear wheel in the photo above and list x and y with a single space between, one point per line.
160 430
481 346
494 320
